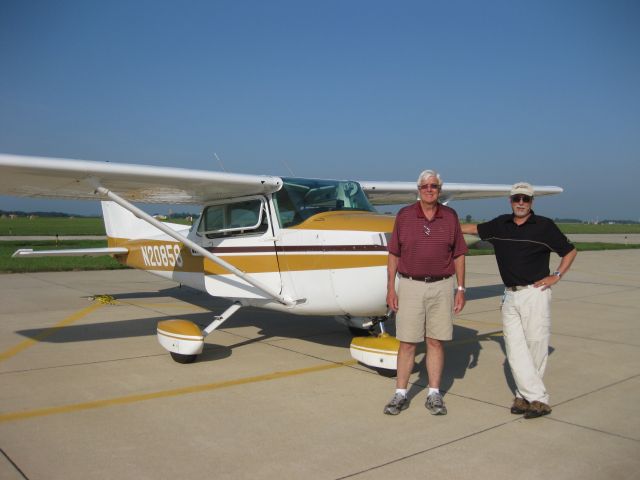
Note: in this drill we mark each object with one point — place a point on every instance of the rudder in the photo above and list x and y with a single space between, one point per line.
121 223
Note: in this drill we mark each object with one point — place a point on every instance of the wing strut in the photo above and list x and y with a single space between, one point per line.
194 246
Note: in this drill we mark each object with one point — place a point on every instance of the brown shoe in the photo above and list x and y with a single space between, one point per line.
537 409
520 406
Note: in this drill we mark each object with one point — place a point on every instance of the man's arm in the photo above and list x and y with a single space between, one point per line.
459 300
392 268
564 266
469 228
567 260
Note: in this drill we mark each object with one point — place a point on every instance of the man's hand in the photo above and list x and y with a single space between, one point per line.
392 299
547 282
459 301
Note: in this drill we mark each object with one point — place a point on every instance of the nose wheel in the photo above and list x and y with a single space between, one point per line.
379 352
360 332
181 358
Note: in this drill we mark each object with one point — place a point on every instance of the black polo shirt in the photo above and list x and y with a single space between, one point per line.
523 251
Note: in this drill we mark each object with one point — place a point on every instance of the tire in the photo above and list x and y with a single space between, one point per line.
181 358
385 372
359 332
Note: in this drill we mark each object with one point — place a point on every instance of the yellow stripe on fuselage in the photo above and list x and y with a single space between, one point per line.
247 262
354 221
330 262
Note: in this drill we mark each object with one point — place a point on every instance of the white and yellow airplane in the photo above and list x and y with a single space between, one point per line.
299 245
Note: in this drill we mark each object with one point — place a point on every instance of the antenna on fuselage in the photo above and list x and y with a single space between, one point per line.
288 167
219 161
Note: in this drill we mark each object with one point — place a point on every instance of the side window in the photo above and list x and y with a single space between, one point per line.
243 217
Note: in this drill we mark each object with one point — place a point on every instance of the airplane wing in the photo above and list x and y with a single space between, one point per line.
78 179
392 193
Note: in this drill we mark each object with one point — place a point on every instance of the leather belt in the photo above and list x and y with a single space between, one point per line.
517 287
426 279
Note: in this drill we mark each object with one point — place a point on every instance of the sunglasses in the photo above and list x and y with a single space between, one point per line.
429 186
519 198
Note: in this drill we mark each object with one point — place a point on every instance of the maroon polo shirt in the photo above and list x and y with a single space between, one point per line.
427 248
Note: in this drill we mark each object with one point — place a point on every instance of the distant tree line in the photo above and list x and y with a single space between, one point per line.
625 222
181 215
606 221
19 213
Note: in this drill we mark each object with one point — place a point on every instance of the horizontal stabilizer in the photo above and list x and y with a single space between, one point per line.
71 252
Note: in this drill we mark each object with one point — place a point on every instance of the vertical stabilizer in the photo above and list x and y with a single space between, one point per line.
121 223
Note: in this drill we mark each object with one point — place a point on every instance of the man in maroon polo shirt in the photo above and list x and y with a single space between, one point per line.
426 248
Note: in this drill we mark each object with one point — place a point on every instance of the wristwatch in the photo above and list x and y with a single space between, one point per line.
557 273
461 289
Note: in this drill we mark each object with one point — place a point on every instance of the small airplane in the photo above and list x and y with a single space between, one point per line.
298 245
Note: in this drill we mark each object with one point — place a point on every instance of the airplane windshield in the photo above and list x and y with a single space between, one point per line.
300 198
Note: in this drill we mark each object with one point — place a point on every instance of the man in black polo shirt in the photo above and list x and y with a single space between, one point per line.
523 242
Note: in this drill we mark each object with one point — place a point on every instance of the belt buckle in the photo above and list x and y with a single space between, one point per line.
427 279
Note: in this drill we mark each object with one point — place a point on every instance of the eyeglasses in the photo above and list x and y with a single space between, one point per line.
429 186
521 198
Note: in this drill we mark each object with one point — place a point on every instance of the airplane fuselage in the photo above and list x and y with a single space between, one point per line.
331 260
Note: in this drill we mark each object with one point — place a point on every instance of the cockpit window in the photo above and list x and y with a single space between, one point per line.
300 198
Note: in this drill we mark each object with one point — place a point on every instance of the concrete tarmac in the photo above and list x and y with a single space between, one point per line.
86 392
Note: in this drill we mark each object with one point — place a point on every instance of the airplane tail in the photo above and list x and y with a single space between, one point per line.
122 224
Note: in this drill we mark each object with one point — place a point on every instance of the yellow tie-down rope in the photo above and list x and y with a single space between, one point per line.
104 299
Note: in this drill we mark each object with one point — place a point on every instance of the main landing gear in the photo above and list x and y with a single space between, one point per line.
183 338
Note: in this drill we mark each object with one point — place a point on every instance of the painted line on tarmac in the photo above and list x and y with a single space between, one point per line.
42 412
49 331
129 399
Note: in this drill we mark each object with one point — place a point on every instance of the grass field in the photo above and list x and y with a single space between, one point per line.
580 246
578 228
54 264
23 226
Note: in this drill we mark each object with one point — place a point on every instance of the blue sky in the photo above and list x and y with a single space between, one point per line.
489 92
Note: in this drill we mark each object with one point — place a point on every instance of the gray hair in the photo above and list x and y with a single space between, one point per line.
429 173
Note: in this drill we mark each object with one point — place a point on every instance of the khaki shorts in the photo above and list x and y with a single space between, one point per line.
424 310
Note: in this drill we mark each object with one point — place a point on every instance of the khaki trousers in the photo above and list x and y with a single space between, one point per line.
526 323
424 310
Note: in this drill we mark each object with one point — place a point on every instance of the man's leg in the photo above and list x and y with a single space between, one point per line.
525 372
435 365
536 320
406 358
439 328
409 331
434 361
